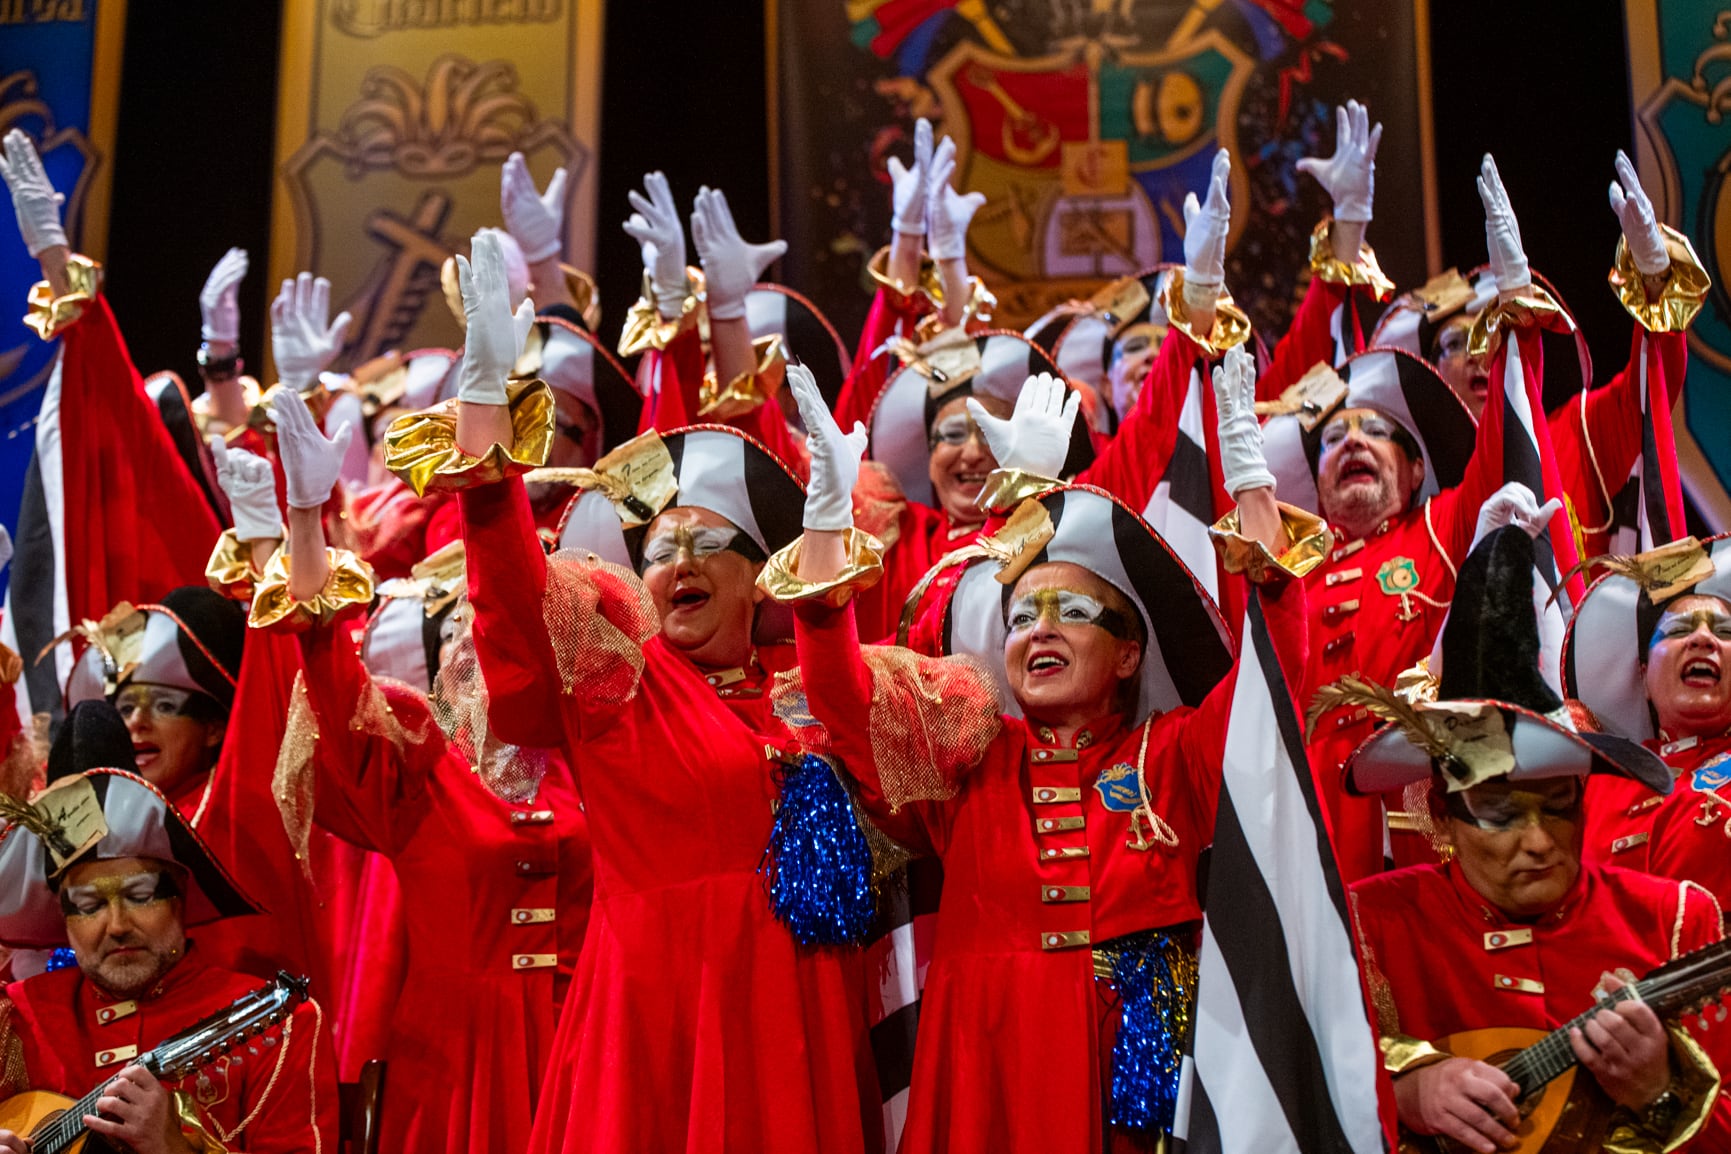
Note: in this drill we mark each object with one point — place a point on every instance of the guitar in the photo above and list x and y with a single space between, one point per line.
1562 1113
54 1123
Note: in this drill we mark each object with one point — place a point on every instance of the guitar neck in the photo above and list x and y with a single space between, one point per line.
69 1126
1552 1056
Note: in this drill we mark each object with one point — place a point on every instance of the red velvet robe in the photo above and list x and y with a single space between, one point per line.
1684 835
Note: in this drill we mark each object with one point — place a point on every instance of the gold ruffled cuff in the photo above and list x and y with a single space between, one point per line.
1362 273
746 391
350 583
1686 286
1006 488
584 294
865 565
644 326
421 448
48 314
1310 536
925 294
1696 1083
1401 1054
1231 324
193 1125
1533 308
230 570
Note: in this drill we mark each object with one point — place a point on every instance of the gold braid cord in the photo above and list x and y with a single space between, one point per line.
459 703
930 721
292 781
14 1077
598 617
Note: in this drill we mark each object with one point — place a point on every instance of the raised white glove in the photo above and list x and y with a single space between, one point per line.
909 186
536 221
1205 226
1349 176
655 226
1502 233
1640 227
311 461
218 301
1514 504
302 343
495 335
34 200
834 458
1242 464
5 546
950 213
1036 438
730 265
251 487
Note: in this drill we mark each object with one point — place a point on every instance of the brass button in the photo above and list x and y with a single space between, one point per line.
1342 576
115 1012
1332 613
534 961
1518 985
1064 940
1504 939
1625 844
1641 807
1050 894
1337 645
1054 795
1057 824
118 1054
1048 756
1064 853
527 917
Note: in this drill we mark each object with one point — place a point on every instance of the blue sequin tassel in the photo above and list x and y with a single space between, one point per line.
818 865
1155 978
60 959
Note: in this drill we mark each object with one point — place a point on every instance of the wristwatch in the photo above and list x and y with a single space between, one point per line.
1662 1112
216 369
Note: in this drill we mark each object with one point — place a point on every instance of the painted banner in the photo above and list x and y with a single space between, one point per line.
393 119
1085 123
60 84
1680 80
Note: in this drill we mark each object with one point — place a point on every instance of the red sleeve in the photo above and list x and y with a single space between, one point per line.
891 315
370 790
507 577
1310 338
1131 466
1454 513
675 377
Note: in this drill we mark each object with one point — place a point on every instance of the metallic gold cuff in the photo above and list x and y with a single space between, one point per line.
193 1127
1686 286
230 570
747 391
1363 273
1696 1083
48 314
1006 488
865 565
350 583
584 294
1231 324
421 448
925 294
1401 1055
1533 308
644 326
1310 541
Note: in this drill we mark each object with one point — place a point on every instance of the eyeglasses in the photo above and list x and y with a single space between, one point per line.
155 701
1370 426
956 430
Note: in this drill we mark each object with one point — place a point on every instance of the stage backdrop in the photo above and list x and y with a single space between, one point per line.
59 82
1085 122
393 118
1680 77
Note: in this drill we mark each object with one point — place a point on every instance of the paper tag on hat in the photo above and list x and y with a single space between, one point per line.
1670 569
1478 738
1311 398
1443 294
1120 301
71 806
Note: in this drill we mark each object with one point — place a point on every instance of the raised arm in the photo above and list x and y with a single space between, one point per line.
219 360
536 221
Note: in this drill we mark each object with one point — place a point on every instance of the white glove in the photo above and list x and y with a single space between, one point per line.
1502 233
302 343
1640 227
495 335
1514 504
834 458
1036 438
251 487
218 301
1349 176
536 221
311 461
5 546
655 226
1242 465
34 200
1205 228
908 186
730 266
949 213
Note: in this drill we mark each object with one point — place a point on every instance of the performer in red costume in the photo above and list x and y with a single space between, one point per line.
1069 829
695 1021
1649 657
1515 931
125 901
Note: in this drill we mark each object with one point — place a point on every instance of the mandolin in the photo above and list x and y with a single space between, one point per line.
54 1123
1560 1112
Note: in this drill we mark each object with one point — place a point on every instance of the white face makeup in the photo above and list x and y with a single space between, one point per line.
700 541
154 701
1063 607
131 890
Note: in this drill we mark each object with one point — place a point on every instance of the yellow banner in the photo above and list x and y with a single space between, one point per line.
393 119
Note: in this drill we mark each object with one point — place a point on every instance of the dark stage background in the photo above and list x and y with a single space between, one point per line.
684 91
